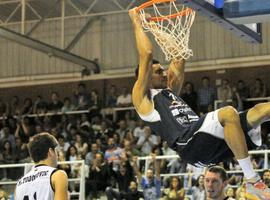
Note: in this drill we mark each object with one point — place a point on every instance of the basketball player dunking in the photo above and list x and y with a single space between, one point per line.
217 136
44 181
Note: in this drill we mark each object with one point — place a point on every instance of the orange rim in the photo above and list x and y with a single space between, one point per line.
182 13
150 3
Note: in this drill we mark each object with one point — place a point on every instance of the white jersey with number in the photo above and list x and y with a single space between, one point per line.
36 184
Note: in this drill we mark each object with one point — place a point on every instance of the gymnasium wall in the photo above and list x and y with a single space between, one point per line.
111 40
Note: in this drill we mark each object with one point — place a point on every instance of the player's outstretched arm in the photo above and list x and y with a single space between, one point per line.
144 47
176 75
60 184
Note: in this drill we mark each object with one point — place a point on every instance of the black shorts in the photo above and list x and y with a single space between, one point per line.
207 145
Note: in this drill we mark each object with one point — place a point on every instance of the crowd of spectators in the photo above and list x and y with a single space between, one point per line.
111 148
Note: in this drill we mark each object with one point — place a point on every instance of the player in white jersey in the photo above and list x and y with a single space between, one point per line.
44 181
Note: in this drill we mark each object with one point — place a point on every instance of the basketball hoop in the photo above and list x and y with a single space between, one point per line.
170 31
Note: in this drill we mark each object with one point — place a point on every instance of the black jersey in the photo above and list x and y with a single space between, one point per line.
172 119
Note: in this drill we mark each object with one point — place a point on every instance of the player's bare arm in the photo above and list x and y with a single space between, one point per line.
176 75
60 185
140 99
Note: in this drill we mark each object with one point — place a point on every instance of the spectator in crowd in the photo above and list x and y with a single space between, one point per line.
8 158
14 106
139 130
81 145
40 106
215 182
190 96
122 130
21 152
90 155
3 108
55 105
258 89
129 149
105 132
84 120
206 96
266 177
113 153
147 141
27 107
123 177
175 190
94 103
99 176
151 183
73 155
131 124
242 89
25 129
198 190
5 135
224 92
81 97
65 167
3 195
111 98
229 193
68 106
172 163
133 193
63 144
124 99
237 102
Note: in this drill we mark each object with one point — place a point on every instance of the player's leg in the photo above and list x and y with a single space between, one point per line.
230 120
258 114
235 139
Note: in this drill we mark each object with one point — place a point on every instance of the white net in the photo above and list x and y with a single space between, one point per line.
171 31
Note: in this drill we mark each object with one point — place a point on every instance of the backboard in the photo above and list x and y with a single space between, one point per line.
248 32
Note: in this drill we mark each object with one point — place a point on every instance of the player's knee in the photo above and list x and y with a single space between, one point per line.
228 114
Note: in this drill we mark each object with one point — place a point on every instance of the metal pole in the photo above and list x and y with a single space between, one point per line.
23 17
63 24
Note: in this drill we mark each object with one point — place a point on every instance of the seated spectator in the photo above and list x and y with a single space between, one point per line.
55 105
190 96
123 177
8 158
21 152
65 167
27 107
151 183
94 103
111 97
258 89
229 193
3 195
124 99
81 97
99 177
40 106
68 106
122 130
63 144
81 145
175 190
198 190
3 108
90 155
113 153
132 193
5 135
129 149
139 130
242 89
14 106
171 163
266 177
73 155
147 141
131 123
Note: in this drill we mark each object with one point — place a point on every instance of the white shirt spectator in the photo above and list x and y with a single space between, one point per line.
147 141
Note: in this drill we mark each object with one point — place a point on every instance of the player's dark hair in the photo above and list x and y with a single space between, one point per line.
219 170
39 146
154 61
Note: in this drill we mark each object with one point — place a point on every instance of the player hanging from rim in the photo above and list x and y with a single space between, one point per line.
215 137
43 181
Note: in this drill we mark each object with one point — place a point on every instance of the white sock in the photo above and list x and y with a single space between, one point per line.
247 168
